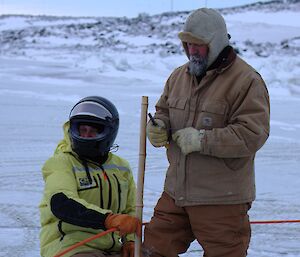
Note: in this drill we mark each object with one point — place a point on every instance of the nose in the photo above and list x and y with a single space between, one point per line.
89 134
87 131
193 49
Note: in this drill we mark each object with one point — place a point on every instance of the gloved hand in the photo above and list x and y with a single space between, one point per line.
189 139
128 249
125 223
157 134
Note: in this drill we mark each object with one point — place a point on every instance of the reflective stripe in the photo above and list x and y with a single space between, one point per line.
114 166
81 169
105 166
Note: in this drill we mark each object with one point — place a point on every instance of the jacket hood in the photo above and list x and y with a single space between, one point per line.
205 26
65 144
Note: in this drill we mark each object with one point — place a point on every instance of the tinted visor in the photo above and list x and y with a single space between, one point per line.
88 130
90 108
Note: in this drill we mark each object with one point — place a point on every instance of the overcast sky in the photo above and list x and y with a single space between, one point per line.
129 8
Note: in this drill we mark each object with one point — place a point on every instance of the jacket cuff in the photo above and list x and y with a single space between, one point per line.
130 237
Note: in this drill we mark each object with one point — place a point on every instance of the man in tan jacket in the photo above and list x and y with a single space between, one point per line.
213 115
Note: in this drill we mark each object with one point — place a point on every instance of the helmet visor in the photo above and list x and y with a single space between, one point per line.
93 109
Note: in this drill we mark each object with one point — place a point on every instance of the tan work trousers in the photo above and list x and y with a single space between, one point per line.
221 230
96 253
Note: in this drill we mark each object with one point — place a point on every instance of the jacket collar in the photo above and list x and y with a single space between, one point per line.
224 60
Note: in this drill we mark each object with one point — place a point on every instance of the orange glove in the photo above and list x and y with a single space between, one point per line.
125 223
128 249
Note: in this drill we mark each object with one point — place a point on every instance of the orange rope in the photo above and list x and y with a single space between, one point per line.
144 223
85 241
274 221
264 221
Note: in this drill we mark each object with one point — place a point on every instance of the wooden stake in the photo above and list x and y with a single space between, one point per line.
141 172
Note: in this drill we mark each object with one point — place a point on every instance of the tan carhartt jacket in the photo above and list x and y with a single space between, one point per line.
231 103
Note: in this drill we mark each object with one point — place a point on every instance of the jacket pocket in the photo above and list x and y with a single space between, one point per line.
236 163
212 115
177 112
214 107
177 103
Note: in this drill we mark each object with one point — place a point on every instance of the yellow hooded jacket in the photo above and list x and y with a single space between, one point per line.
93 190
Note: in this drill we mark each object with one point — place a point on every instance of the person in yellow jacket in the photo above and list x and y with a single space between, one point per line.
88 189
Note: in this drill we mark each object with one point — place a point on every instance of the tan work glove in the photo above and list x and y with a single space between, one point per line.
128 249
189 139
157 134
125 223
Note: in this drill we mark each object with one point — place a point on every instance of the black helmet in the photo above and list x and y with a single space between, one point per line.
100 113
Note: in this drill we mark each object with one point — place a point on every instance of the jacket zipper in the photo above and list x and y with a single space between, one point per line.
198 99
109 188
119 193
109 193
101 191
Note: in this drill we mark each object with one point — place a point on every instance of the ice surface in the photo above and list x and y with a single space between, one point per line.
39 84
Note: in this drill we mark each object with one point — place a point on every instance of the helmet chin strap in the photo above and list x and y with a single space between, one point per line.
103 158
114 148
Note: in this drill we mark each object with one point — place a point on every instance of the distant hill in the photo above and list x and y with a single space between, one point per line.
22 34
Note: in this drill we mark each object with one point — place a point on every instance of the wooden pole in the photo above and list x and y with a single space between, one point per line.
141 172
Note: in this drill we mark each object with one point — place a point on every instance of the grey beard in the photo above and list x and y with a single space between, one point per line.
197 65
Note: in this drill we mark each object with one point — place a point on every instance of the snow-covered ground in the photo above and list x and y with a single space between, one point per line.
43 74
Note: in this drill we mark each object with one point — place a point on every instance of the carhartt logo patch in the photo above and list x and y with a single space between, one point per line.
207 121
